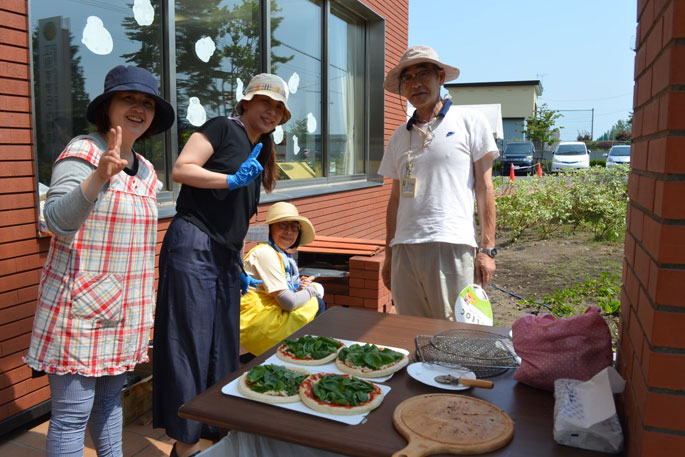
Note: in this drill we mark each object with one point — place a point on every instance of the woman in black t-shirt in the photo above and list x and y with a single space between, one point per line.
196 338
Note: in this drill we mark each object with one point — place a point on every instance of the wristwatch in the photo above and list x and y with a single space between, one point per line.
492 252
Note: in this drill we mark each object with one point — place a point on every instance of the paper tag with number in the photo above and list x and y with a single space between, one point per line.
408 187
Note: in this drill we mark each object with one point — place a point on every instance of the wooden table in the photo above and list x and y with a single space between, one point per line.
531 409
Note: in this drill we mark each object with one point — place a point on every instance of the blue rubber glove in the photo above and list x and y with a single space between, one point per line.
247 172
247 281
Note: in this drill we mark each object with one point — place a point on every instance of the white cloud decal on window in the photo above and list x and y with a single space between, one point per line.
96 37
294 83
278 135
238 89
204 48
143 12
196 114
296 146
311 123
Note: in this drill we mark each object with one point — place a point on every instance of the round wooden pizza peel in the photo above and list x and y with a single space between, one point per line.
457 424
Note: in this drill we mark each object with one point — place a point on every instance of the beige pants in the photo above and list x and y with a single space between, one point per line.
426 278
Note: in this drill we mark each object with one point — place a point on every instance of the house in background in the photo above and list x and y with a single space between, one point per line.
518 100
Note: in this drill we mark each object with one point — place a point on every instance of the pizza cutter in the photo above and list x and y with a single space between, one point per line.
449 379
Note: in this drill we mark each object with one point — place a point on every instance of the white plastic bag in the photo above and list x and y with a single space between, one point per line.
473 306
585 414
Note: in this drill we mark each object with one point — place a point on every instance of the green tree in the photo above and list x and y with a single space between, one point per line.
235 29
620 131
67 128
540 127
584 135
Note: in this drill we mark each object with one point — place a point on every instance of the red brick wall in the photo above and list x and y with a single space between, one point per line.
396 14
21 253
366 285
357 214
352 214
652 347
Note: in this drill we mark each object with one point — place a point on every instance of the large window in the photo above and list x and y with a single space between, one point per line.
217 52
346 93
74 45
297 58
204 53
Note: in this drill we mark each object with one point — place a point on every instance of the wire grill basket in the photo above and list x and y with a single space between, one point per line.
485 353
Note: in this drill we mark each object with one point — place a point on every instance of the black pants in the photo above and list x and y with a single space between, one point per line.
197 324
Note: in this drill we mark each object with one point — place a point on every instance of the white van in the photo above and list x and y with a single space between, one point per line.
570 155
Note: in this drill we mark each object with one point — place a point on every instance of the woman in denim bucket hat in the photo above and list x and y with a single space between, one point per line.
221 169
132 79
96 294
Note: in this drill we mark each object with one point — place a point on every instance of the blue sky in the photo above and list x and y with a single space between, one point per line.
581 50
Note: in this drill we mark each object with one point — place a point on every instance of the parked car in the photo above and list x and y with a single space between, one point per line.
519 154
618 155
569 155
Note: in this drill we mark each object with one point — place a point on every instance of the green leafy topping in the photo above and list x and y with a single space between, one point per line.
277 378
369 356
316 347
342 390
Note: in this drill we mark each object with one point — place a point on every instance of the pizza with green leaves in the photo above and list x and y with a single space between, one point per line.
339 394
309 350
272 383
370 361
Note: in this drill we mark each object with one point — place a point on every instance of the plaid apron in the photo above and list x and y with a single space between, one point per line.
96 293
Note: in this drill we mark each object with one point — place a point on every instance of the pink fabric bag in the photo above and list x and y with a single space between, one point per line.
576 347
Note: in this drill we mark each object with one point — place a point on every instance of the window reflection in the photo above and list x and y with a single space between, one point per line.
217 52
214 52
346 94
74 46
296 57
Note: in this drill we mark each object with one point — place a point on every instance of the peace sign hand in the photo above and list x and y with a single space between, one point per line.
111 162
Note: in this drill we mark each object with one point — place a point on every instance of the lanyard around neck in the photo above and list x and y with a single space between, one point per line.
427 138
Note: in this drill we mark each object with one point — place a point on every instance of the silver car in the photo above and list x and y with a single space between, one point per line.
618 155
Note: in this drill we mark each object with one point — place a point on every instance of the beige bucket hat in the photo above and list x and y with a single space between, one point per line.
270 85
284 212
412 56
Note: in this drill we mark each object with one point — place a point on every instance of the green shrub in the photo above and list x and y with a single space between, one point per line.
599 198
604 291
593 199
517 207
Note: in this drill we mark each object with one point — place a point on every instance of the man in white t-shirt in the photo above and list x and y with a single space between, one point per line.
438 160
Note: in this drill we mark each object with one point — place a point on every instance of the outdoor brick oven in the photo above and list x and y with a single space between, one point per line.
354 266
